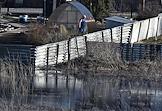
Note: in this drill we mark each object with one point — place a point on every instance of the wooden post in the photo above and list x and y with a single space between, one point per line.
57 54
139 32
145 52
121 45
69 49
132 53
74 85
146 88
121 37
67 76
103 37
47 66
158 51
86 45
68 67
77 46
67 82
140 52
47 59
148 29
157 29
128 52
32 61
111 35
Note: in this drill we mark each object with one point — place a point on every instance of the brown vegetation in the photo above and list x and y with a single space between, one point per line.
16 79
42 34
150 9
105 59
153 40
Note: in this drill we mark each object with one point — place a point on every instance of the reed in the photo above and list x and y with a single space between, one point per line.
15 87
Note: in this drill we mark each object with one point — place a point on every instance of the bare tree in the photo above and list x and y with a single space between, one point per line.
99 8
149 8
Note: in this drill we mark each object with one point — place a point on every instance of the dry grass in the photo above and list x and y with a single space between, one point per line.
153 40
105 60
42 34
99 57
15 77
13 106
15 87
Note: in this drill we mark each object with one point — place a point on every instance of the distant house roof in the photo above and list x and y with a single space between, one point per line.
119 19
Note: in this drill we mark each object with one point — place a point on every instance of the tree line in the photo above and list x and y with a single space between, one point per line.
102 8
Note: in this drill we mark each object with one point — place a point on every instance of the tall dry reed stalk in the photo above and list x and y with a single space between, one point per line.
15 77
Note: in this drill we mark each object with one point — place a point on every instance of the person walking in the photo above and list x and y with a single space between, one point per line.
83 28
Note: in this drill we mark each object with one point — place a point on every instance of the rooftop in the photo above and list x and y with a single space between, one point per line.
119 19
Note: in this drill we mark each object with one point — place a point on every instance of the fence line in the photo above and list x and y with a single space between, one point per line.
145 29
20 53
141 51
64 51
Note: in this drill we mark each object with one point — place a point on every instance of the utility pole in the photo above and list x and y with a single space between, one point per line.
131 8
57 3
54 5
143 4
7 6
121 5
44 8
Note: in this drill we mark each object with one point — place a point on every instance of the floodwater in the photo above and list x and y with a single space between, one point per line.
99 93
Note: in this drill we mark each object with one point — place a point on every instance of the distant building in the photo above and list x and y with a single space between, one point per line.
23 3
32 3
115 21
50 4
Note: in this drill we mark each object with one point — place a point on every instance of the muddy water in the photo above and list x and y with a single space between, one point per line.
101 93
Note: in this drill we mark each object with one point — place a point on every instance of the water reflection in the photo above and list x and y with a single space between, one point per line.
103 93
55 81
57 90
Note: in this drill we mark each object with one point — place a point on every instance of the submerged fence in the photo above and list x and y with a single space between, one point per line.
19 53
55 53
60 52
141 51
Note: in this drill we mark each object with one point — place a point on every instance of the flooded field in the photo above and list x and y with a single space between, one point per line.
117 93
91 93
